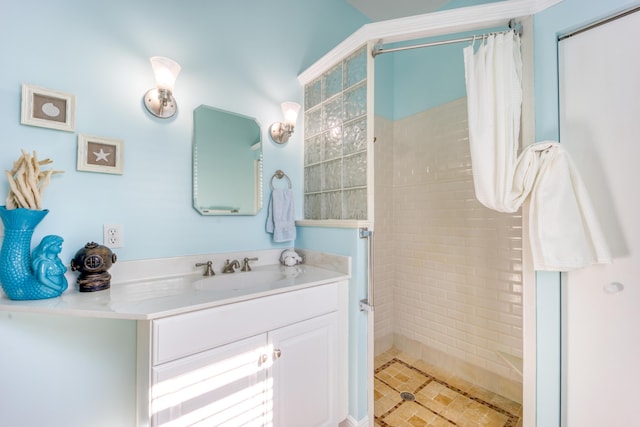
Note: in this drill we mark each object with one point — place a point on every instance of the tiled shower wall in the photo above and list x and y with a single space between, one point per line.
384 244
448 270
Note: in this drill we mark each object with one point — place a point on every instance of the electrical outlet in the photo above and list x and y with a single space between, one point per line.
113 235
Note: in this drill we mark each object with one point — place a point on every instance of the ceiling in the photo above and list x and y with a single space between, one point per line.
381 10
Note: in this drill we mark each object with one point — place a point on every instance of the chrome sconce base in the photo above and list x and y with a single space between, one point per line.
160 103
280 132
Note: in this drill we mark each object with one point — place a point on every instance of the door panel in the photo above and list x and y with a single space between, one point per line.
600 125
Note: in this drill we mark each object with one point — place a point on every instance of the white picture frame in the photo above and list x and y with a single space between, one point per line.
48 108
103 155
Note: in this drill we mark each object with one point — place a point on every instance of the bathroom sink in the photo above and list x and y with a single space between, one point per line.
150 289
265 278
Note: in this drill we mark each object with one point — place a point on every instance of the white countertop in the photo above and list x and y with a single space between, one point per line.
155 298
152 298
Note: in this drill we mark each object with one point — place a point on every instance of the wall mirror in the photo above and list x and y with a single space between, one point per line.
227 163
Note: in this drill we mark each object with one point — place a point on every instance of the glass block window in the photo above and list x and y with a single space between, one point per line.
335 141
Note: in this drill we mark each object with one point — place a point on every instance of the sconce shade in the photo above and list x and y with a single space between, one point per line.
166 71
281 131
159 101
290 112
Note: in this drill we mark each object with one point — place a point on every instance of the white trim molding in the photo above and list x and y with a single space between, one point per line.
352 422
427 25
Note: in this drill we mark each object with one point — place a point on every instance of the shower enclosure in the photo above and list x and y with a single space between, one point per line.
450 275
449 271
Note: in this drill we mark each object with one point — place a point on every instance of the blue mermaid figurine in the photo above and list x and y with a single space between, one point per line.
47 266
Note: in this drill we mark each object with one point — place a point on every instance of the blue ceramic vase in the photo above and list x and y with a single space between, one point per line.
16 272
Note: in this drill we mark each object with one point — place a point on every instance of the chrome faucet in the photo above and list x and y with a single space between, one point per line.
245 263
208 271
229 267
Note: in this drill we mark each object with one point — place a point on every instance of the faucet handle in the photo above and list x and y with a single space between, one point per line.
209 270
245 263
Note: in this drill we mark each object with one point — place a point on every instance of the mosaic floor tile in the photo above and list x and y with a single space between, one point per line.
413 395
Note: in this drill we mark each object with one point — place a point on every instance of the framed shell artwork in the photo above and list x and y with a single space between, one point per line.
47 108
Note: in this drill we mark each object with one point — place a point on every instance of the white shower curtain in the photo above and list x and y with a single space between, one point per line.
564 232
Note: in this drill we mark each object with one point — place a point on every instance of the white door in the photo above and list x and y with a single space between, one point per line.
600 126
304 373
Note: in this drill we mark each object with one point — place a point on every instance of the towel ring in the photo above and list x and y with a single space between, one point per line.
279 174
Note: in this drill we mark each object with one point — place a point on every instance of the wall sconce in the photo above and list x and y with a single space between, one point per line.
281 131
159 100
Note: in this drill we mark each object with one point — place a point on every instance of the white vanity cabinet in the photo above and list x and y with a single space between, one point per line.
278 360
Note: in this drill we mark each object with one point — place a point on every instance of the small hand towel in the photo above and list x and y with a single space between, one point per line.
281 215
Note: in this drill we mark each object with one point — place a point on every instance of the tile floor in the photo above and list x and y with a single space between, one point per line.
413 393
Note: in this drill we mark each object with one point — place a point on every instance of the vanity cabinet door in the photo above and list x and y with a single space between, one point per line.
304 373
222 386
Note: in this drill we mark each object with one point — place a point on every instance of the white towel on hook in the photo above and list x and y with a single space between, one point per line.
281 215
564 231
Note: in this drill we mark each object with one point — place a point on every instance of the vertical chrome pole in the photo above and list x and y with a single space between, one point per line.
367 303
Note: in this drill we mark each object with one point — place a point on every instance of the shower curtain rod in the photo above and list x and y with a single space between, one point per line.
599 23
378 50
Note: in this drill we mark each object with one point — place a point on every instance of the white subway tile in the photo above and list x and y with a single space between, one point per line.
452 267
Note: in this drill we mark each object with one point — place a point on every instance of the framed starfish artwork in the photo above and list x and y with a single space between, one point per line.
103 155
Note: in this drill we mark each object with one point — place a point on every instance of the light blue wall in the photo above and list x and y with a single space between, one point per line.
416 80
411 81
57 371
346 241
426 78
240 56
548 24
384 86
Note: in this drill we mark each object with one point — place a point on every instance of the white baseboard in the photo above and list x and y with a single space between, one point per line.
351 422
